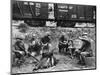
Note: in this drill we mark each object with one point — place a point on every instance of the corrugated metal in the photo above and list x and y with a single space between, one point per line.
72 12
94 12
44 11
40 10
89 12
32 8
16 10
81 12
24 6
62 11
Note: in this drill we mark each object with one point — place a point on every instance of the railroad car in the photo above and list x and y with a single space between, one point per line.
64 14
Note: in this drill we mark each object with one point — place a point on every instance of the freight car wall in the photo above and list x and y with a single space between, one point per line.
17 13
81 12
31 9
44 10
24 6
90 12
74 12
40 10
62 12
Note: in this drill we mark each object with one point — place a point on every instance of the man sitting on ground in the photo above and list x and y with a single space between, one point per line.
85 50
63 44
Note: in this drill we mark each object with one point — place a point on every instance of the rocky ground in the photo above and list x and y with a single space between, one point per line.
64 63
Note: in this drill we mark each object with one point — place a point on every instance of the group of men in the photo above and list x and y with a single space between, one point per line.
36 47
80 48
43 47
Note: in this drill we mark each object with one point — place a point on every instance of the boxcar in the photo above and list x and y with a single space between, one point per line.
16 12
61 11
72 11
25 8
81 12
64 14
89 12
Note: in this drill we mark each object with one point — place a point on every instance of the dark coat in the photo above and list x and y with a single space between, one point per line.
45 39
19 46
86 46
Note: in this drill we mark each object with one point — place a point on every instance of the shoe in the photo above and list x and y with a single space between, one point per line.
81 63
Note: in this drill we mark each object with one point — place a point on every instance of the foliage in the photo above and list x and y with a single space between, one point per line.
23 27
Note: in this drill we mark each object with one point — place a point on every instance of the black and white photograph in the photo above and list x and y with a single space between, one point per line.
52 37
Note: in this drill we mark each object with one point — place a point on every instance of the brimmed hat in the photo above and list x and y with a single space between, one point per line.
84 34
19 38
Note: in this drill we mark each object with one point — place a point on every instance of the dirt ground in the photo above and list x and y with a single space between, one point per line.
64 63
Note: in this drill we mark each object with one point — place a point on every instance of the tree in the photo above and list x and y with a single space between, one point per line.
23 27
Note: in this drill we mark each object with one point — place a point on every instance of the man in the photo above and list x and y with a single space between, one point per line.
71 48
62 44
46 42
19 49
85 50
31 51
47 59
46 38
34 47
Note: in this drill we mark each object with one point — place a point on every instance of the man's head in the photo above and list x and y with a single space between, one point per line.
84 36
33 35
19 39
63 33
47 33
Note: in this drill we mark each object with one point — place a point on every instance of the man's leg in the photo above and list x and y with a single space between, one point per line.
83 55
60 48
66 47
78 56
81 60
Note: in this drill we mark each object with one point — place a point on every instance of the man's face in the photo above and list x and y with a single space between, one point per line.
18 40
48 35
33 42
84 36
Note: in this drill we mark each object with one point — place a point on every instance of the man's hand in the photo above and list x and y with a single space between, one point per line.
21 52
65 42
78 51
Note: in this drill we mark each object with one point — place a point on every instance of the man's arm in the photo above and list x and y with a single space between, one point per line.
60 42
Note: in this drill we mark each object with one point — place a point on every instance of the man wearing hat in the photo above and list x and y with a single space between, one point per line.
46 38
62 43
34 46
46 42
85 50
19 49
19 45
47 59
